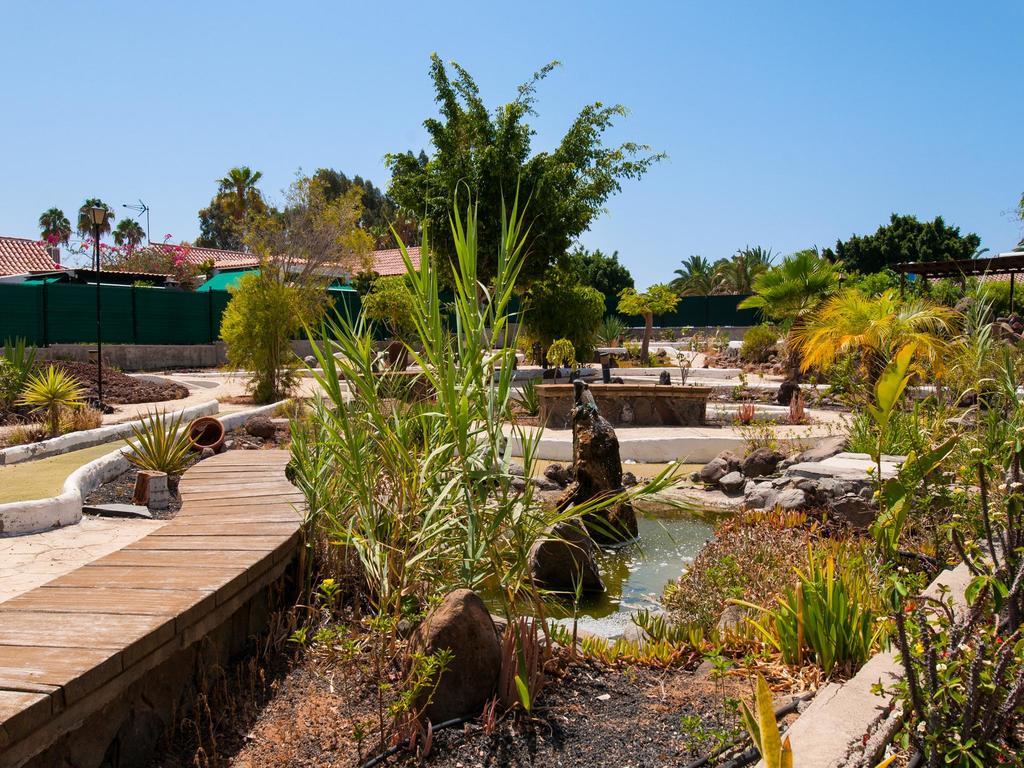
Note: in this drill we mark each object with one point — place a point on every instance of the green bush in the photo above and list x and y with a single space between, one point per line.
562 352
391 302
16 367
260 321
559 309
759 343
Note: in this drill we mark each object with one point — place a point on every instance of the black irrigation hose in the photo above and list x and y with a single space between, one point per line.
782 711
373 761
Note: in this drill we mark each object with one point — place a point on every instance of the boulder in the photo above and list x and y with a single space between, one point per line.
516 470
461 624
260 426
853 509
628 479
761 462
732 482
714 470
543 484
664 378
310 360
791 500
597 472
731 459
826 449
556 473
761 496
732 619
565 557
787 390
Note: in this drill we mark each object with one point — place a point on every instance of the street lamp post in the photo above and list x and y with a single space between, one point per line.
99 219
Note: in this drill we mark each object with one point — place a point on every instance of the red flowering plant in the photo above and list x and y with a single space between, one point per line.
166 258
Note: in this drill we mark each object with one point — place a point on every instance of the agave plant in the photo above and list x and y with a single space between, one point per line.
529 397
160 444
764 730
611 331
16 365
49 393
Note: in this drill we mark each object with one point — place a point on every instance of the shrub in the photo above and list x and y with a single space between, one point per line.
561 352
749 562
611 331
759 343
560 309
529 398
260 321
79 419
160 444
16 367
50 393
391 302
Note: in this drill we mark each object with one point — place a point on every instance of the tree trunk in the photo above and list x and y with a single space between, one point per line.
645 358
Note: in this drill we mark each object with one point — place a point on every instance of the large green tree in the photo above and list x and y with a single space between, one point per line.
696 278
560 306
224 222
600 271
656 300
904 239
380 212
737 275
54 226
487 156
129 233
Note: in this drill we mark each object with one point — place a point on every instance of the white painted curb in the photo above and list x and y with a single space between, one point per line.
74 441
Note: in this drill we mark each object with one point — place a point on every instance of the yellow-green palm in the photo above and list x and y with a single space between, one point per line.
873 328
51 391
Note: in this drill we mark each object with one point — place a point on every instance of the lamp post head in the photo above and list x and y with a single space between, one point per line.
98 215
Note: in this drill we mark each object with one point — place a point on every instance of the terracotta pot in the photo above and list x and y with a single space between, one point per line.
207 432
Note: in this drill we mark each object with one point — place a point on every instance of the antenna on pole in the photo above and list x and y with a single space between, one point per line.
140 207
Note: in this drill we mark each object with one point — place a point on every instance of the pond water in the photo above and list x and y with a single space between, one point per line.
635 575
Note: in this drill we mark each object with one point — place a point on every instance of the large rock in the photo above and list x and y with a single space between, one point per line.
260 426
761 462
564 558
714 470
826 449
791 500
787 390
461 624
556 473
733 482
761 496
597 472
853 509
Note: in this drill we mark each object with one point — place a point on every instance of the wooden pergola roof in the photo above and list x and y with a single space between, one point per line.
1011 263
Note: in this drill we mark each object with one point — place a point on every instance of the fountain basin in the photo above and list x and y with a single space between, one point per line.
629 405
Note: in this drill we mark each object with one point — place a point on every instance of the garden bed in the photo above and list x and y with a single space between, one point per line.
120 388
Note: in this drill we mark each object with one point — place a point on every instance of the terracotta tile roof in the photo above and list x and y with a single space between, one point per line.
19 255
389 262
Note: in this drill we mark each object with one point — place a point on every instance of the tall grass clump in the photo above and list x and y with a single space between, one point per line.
418 492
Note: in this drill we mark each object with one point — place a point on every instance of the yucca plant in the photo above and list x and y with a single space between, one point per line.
16 366
764 729
529 398
49 393
611 331
160 443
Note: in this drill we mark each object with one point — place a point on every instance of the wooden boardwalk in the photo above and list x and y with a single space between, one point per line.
73 645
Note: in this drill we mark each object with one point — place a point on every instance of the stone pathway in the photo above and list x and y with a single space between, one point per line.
27 562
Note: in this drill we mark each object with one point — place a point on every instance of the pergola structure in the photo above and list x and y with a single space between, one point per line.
1011 264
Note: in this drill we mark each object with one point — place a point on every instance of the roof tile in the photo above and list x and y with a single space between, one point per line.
19 256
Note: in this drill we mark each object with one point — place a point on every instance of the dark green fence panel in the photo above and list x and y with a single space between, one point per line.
71 314
699 311
172 317
21 313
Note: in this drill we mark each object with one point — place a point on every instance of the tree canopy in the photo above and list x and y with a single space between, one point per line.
487 156
600 271
85 217
904 239
380 212
223 223
54 226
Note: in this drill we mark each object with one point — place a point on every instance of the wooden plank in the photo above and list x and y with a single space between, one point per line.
237 515
250 543
77 673
296 499
121 601
284 529
132 636
199 576
232 495
21 713
177 559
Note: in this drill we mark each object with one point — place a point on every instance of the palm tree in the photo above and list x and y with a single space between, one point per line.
873 328
696 278
85 217
238 193
791 291
130 233
54 226
737 274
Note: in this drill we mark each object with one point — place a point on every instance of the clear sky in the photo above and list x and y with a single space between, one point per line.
786 124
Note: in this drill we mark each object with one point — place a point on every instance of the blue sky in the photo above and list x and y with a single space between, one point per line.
786 124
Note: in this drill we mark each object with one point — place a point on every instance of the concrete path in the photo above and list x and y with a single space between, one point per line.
27 562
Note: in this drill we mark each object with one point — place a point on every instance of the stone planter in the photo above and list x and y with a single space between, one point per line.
629 405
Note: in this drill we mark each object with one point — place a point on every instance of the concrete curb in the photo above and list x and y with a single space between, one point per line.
32 516
87 438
